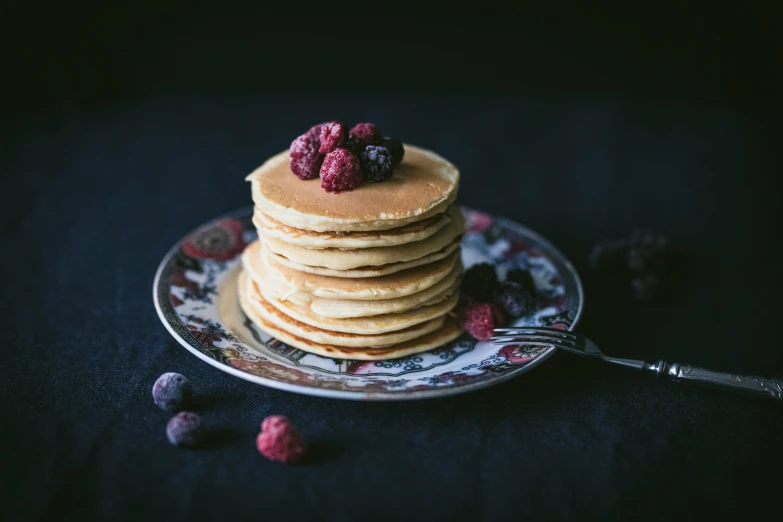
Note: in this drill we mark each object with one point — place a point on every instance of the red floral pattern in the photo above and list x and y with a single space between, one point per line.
477 221
222 241
516 354
180 279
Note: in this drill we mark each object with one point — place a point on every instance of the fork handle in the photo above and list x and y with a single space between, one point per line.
757 386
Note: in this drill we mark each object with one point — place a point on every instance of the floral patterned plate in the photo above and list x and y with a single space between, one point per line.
195 296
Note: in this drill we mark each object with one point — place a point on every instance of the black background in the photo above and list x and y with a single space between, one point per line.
125 127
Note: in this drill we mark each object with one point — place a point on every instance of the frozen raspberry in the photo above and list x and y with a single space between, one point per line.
315 131
513 298
480 319
332 136
341 171
185 429
305 159
523 278
396 149
376 163
280 441
363 134
480 282
172 391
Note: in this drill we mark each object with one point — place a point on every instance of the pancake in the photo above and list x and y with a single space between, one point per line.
365 271
255 306
374 324
422 186
417 231
345 308
446 333
348 259
399 284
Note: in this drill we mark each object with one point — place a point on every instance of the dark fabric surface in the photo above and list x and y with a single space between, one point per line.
100 195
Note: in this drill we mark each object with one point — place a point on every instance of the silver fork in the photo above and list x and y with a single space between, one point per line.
581 345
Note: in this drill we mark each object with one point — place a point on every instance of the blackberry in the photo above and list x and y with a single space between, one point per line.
609 255
480 282
376 163
646 251
395 147
340 171
635 260
523 278
185 429
172 391
645 286
513 299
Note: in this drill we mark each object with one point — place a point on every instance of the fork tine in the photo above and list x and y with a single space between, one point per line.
517 332
535 343
525 338
538 329
545 341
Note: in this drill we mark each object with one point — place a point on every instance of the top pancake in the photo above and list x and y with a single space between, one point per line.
409 233
422 186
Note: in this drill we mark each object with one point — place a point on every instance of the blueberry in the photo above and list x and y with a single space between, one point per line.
514 299
172 391
185 429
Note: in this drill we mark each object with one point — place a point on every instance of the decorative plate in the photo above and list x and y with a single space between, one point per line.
195 296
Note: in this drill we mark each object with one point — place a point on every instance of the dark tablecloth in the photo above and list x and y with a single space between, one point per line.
94 198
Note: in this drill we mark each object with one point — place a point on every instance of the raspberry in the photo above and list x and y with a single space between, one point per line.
340 171
305 159
522 278
396 149
513 298
185 429
376 163
363 134
172 391
332 136
480 319
480 282
280 441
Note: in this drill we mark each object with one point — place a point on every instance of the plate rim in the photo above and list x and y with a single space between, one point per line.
359 395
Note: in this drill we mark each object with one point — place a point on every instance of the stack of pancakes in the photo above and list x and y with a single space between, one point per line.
368 274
